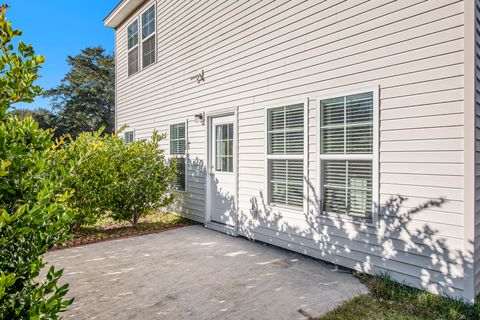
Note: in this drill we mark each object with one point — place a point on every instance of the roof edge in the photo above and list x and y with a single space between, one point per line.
121 11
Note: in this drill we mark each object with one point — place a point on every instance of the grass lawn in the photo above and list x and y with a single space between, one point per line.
107 228
389 300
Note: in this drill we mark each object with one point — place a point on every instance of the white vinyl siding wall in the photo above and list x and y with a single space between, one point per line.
261 53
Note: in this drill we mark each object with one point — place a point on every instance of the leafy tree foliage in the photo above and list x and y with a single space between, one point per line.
32 214
18 69
32 219
107 176
85 98
45 118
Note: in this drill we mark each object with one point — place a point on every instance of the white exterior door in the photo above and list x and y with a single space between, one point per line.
222 171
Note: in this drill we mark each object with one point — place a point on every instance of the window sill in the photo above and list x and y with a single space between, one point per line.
291 209
363 221
223 172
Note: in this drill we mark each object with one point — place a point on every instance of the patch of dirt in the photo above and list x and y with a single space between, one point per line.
134 233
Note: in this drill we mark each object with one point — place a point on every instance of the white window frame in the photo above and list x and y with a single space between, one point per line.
304 157
128 131
154 34
185 155
374 157
135 46
138 17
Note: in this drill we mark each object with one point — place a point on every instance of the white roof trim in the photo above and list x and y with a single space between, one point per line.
121 12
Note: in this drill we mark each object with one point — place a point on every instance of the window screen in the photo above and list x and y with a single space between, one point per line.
132 35
132 31
148 52
148 37
133 61
148 22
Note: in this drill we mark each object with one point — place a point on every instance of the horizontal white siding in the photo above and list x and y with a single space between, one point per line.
259 53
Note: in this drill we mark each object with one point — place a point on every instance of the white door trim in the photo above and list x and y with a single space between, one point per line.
231 230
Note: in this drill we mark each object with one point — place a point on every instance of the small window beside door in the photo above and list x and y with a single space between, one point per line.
178 150
224 147
285 155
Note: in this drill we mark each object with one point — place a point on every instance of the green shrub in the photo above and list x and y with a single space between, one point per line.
143 178
107 176
32 215
32 219
85 169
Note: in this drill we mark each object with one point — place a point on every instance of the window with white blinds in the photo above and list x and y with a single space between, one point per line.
346 154
178 149
285 155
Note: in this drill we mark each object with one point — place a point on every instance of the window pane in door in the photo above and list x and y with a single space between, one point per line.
224 147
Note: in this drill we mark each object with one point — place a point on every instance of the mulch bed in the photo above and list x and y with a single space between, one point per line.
80 241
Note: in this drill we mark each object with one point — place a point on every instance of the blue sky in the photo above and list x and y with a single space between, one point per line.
58 28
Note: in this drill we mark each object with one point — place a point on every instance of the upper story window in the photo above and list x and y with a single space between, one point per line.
132 35
148 37
141 41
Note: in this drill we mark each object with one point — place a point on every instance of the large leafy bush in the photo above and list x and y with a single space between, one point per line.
107 176
32 215
142 179
85 169
32 219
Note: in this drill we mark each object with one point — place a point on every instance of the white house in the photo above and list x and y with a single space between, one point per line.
343 130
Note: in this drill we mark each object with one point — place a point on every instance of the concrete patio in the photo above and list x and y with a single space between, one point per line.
196 273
